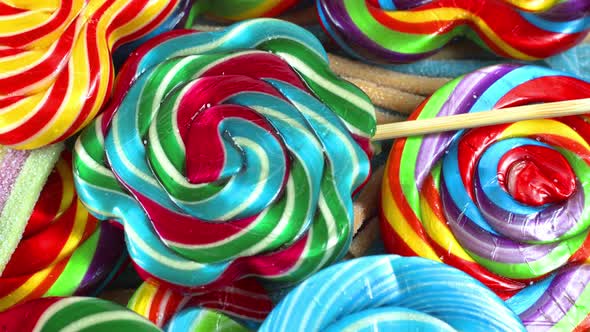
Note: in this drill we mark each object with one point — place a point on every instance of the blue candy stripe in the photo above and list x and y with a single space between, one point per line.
567 27
375 282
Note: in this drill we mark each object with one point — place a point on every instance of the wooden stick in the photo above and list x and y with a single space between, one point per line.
481 119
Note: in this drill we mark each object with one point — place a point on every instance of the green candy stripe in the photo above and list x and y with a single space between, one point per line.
90 314
343 98
76 268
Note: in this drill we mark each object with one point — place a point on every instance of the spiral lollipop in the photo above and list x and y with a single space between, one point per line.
73 314
230 153
395 31
505 203
55 60
236 307
64 250
391 293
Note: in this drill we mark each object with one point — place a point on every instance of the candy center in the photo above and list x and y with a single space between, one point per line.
536 175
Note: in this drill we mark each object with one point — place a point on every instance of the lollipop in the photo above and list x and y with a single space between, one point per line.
391 293
64 250
230 153
73 314
506 203
239 306
55 60
396 31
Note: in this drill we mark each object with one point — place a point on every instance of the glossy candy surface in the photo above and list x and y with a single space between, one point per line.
391 293
73 314
401 31
56 64
240 306
64 250
238 10
240 150
507 204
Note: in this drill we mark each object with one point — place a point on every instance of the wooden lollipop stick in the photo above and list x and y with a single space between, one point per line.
481 119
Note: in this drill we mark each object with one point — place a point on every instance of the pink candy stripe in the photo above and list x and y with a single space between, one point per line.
10 168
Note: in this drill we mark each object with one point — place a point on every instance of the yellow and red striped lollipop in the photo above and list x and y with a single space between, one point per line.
56 60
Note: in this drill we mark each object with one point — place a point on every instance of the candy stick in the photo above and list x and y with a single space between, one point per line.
411 84
480 119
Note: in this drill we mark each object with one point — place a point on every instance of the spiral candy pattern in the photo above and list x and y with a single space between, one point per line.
241 151
55 60
401 31
73 314
507 203
237 307
64 250
391 293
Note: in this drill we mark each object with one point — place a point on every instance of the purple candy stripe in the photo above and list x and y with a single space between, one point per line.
340 23
568 11
409 4
11 165
484 244
560 297
464 96
110 249
547 225
185 7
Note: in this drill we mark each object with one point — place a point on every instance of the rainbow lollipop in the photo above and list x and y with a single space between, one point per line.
508 203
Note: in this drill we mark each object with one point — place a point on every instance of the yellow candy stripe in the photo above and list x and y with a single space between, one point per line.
442 15
401 226
56 69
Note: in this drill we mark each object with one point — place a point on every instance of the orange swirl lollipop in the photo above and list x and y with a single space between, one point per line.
56 65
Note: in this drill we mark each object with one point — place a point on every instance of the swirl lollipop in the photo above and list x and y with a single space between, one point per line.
395 31
240 150
64 250
236 307
55 60
391 293
73 314
506 203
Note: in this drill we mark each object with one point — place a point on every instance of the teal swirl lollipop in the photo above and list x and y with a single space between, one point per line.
228 154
